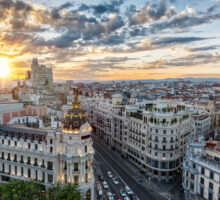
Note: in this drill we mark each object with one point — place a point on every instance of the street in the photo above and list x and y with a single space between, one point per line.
107 162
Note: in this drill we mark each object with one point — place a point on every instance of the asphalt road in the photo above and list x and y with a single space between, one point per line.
109 163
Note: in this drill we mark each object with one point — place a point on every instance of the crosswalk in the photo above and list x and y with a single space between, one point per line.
166 195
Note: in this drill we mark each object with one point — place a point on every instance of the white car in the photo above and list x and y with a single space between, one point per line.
109 174
128 190
115 181
123 193
110 196
126 198
105 185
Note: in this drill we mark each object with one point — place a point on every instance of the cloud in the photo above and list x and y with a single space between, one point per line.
177 40
112 7
150 12
66 5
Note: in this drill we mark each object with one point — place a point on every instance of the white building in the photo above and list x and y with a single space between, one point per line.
202 123
153 137
50 155
201 170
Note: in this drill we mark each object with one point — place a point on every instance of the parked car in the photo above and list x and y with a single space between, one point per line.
109 174
126 198
115 181
128 190
110 196
123 193
105 185
133 197
101 177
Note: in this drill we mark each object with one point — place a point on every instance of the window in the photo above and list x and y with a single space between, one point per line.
164 155
201 192
16 170
194 166
3 156
2 141
15 143
202 180
29 173
192 176
22 171
9 156
15 158
210 196
28 160
22 159
29 145
211 185
85 148
202 171
9 142
49 165
164 131
51 141
51 149
211 175
76 167
171 154
155 153
35 162
36 147
192 186
50 178
76 180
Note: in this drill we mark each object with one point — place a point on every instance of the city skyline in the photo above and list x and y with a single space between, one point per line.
112 40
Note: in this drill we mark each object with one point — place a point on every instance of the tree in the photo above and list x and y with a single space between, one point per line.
30 190
18 190
64 192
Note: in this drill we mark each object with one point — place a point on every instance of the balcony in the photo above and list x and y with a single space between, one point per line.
164 141
42 165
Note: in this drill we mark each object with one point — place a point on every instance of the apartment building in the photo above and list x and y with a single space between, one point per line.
152 136
201 170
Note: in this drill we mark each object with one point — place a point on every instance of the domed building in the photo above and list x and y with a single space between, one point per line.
78 150
50 155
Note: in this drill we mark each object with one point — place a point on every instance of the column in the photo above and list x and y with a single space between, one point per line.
71 173
81 173
61 172
68 172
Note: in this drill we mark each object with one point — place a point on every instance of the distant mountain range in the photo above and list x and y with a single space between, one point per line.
147 80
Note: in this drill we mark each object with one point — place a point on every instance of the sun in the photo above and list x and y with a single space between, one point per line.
4 67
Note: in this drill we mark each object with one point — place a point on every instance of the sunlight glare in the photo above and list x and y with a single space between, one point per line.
4 67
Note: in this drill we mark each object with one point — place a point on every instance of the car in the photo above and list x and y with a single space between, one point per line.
126 198
105 185
101 177
133 197
115 181
123 193
110 196
109 174
128 190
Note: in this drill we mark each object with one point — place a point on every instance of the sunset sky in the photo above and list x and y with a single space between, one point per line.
112 39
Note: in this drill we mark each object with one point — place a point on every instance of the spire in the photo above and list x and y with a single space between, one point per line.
34 61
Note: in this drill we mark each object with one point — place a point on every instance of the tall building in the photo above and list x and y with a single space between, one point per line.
201 170
153 136
40 74
50 155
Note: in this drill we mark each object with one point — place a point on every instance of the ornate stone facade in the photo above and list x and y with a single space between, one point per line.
40 74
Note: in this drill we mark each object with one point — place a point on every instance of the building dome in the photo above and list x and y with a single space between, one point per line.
75 116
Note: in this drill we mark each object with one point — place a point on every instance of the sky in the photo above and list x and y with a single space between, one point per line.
112 39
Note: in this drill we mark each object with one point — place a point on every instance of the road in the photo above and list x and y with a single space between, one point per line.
109 163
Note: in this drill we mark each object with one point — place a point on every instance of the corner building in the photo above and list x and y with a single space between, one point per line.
50 155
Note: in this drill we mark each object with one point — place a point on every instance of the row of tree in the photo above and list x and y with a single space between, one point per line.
30 190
